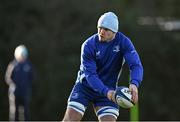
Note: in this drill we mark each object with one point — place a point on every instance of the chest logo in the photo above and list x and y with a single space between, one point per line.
116 48
97 53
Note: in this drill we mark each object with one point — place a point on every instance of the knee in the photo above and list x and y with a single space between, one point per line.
108 118
74 112
72 115
107 113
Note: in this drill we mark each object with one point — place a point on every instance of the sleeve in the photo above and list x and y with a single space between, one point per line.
132 59
88 66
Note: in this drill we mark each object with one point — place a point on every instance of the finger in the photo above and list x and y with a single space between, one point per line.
130 89
114 99
134 97
132 93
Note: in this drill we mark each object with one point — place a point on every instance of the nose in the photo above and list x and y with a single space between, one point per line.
101 31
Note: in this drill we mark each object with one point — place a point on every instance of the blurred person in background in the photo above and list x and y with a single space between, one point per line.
19 76
102 57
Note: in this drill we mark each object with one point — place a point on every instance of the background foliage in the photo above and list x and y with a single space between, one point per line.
53 31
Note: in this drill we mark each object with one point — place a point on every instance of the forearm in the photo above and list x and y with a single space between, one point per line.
136 73
8 74
135 66
97 85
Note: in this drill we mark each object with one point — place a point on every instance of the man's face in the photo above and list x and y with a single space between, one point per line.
21 58
105 34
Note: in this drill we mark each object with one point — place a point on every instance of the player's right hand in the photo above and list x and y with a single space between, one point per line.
110 95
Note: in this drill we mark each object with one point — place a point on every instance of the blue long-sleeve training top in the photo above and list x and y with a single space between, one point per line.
101 63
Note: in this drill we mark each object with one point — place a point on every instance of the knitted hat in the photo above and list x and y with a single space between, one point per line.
109 20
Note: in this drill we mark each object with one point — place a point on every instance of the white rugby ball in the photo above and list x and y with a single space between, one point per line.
123 97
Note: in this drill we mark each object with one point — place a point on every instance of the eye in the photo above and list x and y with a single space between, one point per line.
106 29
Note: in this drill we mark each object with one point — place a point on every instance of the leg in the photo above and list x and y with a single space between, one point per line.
12 107
108 118
106 110
77 103
17 108
74 112
26 107
72 115
107 113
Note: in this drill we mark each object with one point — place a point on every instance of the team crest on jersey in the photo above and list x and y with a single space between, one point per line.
97 53
75 95
116 48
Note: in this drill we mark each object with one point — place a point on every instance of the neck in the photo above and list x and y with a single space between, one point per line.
111 38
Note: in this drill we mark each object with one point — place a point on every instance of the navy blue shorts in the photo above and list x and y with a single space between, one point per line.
82 95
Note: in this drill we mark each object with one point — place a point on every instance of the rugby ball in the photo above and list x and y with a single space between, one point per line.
123 97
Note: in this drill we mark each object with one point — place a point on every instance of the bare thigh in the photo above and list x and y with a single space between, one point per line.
72 115
106 117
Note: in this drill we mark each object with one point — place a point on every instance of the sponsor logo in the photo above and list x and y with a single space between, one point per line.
75 95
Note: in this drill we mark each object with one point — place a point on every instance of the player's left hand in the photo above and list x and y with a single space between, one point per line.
134 92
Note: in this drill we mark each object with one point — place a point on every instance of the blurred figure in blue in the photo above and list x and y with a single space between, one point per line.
19 76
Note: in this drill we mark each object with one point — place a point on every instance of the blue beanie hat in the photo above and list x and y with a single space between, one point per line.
110 21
